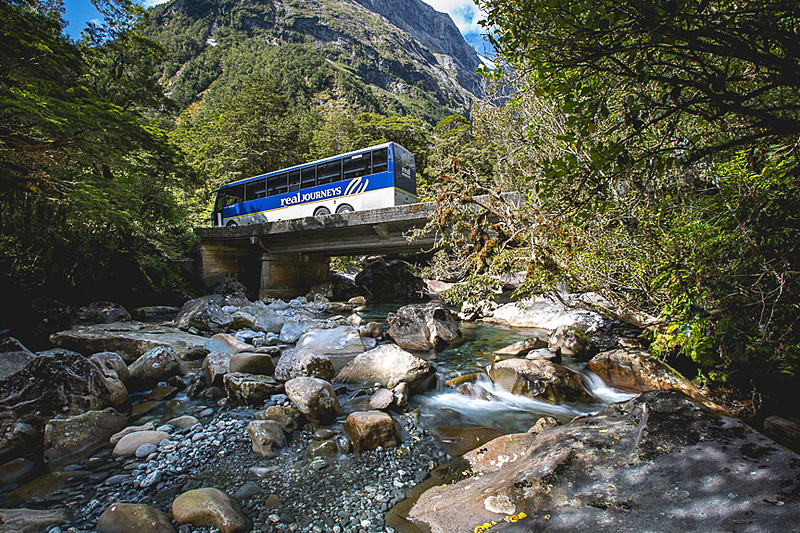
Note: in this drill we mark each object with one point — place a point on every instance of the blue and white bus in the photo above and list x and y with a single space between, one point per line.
378 176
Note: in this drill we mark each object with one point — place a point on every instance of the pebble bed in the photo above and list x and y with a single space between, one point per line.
294 491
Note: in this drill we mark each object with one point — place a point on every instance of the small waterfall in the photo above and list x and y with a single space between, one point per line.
600 390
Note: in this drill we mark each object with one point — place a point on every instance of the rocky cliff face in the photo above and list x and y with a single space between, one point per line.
403 50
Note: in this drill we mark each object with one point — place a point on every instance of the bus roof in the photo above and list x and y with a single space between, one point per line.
304 165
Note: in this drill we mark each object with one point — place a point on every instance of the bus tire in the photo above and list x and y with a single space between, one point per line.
344 208
231 224
321 211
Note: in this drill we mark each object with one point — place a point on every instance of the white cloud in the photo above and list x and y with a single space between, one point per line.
463 12
151 3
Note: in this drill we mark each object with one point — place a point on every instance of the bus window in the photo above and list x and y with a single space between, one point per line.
234 195
309 177
294 180
255 190
277 184
329 172
380 160
356 166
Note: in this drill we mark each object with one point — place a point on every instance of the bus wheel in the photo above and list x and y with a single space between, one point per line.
231 224
321 211
344 208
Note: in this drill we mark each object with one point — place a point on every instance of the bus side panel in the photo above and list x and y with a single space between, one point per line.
405 170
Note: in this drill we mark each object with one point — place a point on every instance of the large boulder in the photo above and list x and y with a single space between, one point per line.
314 398
225 343
205 315
423 327
250 389
523 347
133 517
129 340
55 383
13 357
252 363
293 328
112 365
32 520
389 365
289 418
336 341
267 317
368 430
215 366
72 436
266 437
548 314
540 379
209 507
155 366
102 313
638 371
297 363
394 280
572 341
622 470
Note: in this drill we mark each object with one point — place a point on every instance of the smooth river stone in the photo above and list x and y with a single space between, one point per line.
210 507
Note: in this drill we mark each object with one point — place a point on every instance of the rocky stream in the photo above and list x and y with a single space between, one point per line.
231 415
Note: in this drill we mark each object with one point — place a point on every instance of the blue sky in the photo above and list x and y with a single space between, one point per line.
463 12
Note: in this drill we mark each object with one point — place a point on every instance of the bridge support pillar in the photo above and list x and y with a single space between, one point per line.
238 260
291 274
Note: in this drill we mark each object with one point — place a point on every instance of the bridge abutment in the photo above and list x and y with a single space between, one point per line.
236 259
286 275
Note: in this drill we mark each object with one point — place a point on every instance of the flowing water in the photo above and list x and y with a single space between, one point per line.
509 413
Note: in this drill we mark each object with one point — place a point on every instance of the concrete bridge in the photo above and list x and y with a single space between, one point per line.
286 258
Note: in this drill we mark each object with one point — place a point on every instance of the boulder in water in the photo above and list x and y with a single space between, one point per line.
539 379
571 340
389 365
423 327
521 348
112 365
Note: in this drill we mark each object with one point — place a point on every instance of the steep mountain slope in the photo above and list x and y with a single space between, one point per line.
412 58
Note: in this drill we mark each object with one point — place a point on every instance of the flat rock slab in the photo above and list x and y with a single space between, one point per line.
129 339
655 463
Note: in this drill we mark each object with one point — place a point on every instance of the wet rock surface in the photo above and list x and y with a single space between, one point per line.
625 469
388 365
541 379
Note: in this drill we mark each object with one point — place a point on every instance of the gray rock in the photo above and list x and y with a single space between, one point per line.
255 338
297 363
268 319
381 399
242 320
72 436
13 357
246 491
589 474
32 520
389 365
573 341
112 365
215 366
156 313
115 438
225 343
423 327
293 328
129 517
548 314
314 398
183 422
521 348
209 507
785 430
252 363
341 340
145 449
548 354
290 419
128 444
102 313
158 364
129 340
205 315
250 389
266 437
